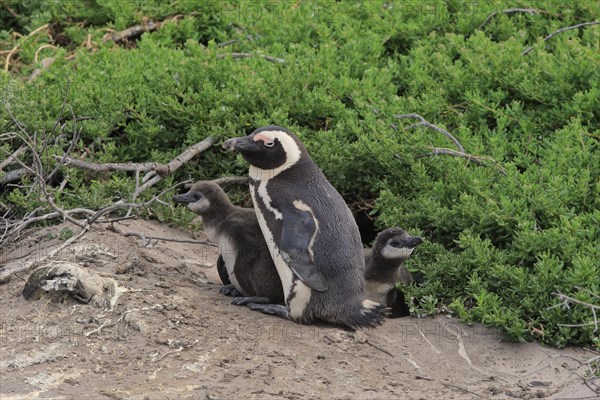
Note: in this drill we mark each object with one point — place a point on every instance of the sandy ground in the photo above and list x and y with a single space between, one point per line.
172 335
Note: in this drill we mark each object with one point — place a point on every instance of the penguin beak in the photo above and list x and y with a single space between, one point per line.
239 144
185 198
413 241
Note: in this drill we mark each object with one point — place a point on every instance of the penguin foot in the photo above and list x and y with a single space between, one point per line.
271 309
230 290
244 301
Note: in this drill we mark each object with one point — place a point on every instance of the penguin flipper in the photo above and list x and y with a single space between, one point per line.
297 234
222 270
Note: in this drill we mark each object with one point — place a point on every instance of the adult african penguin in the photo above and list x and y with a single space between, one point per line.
244 265
311 233
385 267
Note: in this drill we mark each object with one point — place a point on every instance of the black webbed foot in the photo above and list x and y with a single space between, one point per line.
230 290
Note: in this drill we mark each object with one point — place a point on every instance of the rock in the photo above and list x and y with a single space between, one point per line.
60 278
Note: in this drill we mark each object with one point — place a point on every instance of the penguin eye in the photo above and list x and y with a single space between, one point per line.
395 243
269 144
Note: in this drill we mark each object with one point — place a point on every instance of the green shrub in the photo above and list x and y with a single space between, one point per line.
499 245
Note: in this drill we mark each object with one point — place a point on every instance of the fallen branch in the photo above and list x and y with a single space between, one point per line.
159 170
109 167
530 11
424 122
147 239
561 30
249 55
136 30
12 157
14 176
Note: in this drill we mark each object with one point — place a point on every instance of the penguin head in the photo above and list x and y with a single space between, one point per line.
203 197
396 244
269 148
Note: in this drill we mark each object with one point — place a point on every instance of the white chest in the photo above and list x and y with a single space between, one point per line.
228 251
301 292
377 291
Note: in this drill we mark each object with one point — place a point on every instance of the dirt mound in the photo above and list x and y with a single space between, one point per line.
171 335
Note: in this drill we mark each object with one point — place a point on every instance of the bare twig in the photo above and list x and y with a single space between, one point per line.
12 157
16 48
424 122
161 169
146 239
479 160
107 167
178 161
137 30
561 30
73 142
178 350
530 11
567 300
10 54
249 55
119 205
133 31
227 43
42 47
10 10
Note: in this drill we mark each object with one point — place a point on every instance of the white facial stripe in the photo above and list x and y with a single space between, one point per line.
396 252
290 147
300 205
200 206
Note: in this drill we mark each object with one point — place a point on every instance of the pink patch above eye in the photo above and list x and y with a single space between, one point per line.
265 139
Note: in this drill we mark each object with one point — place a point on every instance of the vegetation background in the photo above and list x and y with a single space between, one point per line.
503 236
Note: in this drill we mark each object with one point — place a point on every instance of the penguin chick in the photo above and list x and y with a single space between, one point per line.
385 267
244 263
315 241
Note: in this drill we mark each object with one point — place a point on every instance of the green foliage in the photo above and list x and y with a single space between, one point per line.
498 246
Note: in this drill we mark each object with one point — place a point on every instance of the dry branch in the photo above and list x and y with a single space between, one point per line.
135 30
561 30
147 239
120 205
479 160
14 175
530 11
566 301
108 167
424 122
249 55
12 157
159 170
